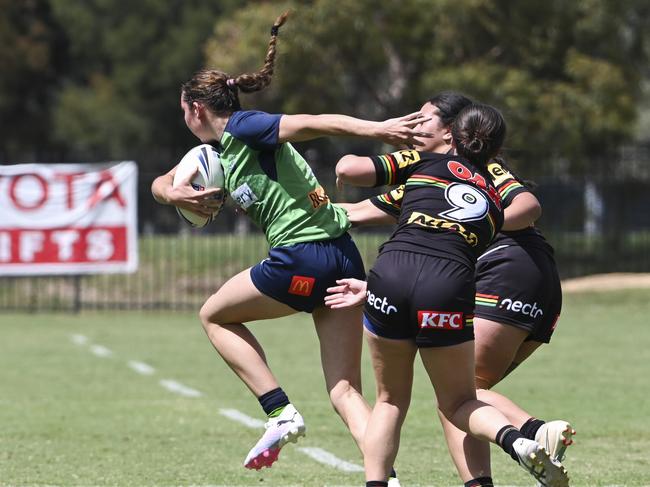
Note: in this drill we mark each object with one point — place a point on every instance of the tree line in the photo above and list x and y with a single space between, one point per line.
99 80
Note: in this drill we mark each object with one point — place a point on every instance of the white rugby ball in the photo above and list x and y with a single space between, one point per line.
209 175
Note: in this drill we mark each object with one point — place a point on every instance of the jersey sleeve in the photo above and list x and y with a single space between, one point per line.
258 130
505 182
391 202
396 167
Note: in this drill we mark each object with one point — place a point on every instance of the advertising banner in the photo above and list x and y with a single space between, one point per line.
68 218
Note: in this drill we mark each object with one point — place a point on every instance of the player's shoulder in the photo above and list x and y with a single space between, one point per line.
498 172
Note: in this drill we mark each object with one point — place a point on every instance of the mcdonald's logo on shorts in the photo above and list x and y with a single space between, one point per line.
301 285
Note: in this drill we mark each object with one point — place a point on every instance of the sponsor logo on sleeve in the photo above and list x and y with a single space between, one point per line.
440 320
498 173
244 196
302 285
406 157
318 197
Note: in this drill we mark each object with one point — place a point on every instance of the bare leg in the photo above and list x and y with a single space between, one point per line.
222 315
496 347
515 414
340 334
393 365
451 371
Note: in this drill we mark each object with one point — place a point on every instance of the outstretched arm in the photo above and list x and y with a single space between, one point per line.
365 213
394 131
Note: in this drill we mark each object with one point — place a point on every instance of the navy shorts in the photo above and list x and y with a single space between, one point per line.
420 297
298 275
519 287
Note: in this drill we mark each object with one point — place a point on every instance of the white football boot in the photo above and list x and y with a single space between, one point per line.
533 458
393 482
285 428
555 437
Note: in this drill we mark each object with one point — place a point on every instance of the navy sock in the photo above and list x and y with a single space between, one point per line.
273 401
376 483
480 482
393 473
530 427
506 437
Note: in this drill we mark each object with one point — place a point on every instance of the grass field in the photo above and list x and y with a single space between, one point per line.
75 412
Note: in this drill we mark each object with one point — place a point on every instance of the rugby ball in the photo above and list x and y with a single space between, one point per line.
206 159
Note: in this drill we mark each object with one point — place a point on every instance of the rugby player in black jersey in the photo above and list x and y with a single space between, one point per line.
421 291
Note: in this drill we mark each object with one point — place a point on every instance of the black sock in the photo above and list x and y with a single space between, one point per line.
273 400
480 482
376 483
506 437
530 427
393 473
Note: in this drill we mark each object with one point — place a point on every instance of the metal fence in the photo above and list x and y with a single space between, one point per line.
595 226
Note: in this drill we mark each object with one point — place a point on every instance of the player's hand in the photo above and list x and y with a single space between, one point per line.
403 131
202 202
349 292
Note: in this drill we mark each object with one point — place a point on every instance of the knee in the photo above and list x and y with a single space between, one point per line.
208 317
452 406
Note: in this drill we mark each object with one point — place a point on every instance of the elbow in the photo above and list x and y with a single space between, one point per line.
345 169
355 170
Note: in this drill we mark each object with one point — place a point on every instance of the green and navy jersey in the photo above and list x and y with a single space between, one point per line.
274 185
449 207
507 185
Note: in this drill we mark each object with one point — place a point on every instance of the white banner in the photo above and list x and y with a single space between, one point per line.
68 218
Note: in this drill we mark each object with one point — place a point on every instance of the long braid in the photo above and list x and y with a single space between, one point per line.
250 82
218 91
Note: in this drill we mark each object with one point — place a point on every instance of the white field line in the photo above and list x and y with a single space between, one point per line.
241 418
327 458
178 388
141 367
318 454
100 351
79 339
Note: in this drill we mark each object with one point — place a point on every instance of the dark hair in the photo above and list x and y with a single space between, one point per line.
219 92
478 133
449 104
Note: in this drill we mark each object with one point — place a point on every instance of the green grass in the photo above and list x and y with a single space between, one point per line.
71 418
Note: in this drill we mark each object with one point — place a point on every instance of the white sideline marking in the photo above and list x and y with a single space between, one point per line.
141 367
327 458
79 339
178 388
100 351
241 418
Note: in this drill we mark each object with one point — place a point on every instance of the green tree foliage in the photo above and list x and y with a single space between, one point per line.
30 42
565 74
128 59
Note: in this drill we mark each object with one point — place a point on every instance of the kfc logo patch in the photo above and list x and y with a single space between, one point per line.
440 320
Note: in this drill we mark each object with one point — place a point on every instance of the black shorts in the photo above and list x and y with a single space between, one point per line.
520 287
420 297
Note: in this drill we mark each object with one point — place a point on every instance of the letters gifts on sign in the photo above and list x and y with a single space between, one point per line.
68 218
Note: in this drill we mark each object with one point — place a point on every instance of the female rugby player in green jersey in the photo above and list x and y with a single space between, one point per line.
420 292
310 247
517 266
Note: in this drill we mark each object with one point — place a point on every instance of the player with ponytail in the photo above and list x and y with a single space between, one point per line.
310 246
